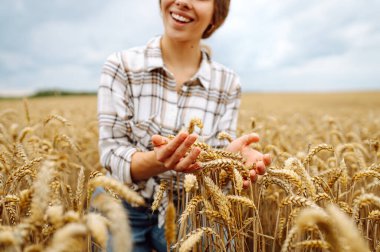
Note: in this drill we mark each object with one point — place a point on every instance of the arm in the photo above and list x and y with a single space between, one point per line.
115 115
116 144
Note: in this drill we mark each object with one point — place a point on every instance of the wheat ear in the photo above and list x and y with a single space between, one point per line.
170 223
97 226
347 230
123 191
41 189
68 238
159 194
119 224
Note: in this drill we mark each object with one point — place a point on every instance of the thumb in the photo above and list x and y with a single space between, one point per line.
158 140
250 138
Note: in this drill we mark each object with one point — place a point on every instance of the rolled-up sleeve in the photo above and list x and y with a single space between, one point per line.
115 117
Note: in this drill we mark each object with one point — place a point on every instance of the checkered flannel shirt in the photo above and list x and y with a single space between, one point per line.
137 98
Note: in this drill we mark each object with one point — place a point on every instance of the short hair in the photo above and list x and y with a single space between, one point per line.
221 9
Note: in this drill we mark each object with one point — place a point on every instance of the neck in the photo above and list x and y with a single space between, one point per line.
174 53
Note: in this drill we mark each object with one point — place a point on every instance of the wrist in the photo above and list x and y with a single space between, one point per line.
144 165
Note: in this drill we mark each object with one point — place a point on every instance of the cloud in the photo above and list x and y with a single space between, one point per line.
298 45
64 48
271 44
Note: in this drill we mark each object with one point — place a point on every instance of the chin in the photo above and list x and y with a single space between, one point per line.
181 36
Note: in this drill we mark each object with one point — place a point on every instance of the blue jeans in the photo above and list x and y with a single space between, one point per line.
145 231
146 234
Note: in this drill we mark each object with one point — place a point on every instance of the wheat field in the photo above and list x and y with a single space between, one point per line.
321 192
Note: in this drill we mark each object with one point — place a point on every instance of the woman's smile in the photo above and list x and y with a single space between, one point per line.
181 18
186 20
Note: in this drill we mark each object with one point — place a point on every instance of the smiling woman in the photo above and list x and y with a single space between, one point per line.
153 91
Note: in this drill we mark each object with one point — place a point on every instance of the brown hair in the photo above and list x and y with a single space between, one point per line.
221 8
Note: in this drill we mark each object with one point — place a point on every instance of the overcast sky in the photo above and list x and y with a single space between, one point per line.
274 45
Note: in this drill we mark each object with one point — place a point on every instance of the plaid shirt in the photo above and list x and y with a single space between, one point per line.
137 98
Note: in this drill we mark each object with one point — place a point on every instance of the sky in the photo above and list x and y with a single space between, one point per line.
274 45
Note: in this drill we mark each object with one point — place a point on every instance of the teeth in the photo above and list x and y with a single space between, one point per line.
180 18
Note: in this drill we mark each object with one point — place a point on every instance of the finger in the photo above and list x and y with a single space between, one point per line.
253 175
158 140
246 184
186 162
172 146
260 167
267 159
250 138
192 168
181 150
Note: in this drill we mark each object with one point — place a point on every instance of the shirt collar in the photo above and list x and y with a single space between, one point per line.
154 60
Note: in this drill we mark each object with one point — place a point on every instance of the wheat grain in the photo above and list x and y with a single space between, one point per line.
41 189
238 181
190 182
363 200
315 150
97 226
295 164
119 224
195 122
313 244
79 191
59 118
159 195
170 224
218 197
123 191
190 207
293 178
225 136
350 238
68 238
296 200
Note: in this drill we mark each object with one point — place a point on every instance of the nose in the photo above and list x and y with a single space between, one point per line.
182 3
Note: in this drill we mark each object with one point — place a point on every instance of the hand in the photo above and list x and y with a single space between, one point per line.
252 156
171 153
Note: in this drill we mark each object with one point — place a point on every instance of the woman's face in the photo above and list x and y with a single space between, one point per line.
186 20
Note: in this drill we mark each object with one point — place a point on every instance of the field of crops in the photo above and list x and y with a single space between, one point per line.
321 192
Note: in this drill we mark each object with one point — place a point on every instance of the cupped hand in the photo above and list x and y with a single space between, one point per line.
252 156
172 153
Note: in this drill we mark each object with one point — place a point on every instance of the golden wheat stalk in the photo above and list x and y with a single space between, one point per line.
68 238
41 191
170 224
348 234
79 190
191 239
218 197
312 244
195 122
190 207
59 118
364 200
292 177
121 190
159 194
98 228
315 150
295 165
119 224
190 182
299 201
225 136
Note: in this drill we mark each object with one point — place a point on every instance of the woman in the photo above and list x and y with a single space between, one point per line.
149 92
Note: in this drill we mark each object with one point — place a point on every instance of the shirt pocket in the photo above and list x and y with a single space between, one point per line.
144 130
